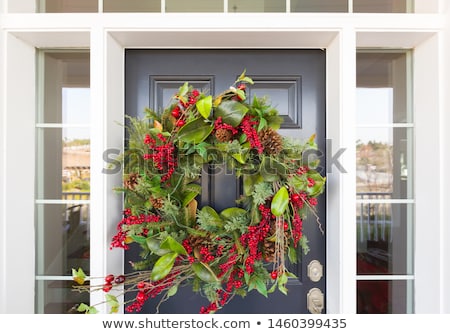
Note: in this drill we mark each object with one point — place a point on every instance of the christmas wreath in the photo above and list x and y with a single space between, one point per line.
220 254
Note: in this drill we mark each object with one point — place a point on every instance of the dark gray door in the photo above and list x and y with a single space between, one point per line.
295 82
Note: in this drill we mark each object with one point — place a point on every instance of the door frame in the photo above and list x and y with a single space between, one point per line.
340 252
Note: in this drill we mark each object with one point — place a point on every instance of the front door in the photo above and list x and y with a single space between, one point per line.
294 80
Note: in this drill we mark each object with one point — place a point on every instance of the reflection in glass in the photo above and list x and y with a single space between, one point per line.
384 238
64 162
256 6
198 6
131 6
383 163
58 297
385 297
382 93
317 6
66 88
64 6
382 6
62 238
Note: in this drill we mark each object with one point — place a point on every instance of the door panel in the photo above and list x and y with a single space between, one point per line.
294 80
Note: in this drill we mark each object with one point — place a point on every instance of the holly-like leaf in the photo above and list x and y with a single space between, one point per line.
292 255
204 272
258 284
154 244
229 213
318 186
196 131
204 106
173 245
113 303
232 112
87 309
163 266
79 276
280 202
213 217
172 291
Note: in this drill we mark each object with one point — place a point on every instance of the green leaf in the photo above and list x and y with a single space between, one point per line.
229 213
292 255
79 276
232 112
172 291
183 89
280 202
188 197
113 303
259 285
244 78
154 245
87 309
196 131
239 157
262 124
241 94
173 245
204 106
204 272
318 186
214 218
268 170
163 266
139 239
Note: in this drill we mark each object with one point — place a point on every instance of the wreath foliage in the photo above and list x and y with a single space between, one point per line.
220 254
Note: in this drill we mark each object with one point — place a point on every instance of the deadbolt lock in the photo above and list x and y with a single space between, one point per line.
315 271
315 301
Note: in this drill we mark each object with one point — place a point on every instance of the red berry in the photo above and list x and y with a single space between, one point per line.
180 123
176 112
273 274
286 226
109 278
140 297
119 279
141 285
295 197
107 287
241 86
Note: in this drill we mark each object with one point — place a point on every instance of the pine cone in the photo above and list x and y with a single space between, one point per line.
157 203
271 141
224 135
131 181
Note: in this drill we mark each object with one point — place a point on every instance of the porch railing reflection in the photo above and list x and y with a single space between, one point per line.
374 220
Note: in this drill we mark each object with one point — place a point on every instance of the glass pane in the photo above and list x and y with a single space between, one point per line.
382 297
68 6
66 88
58 297
384 163
62 238
198 6
63 165
256 6
382 6
319 6
132 6
382 93
385 238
